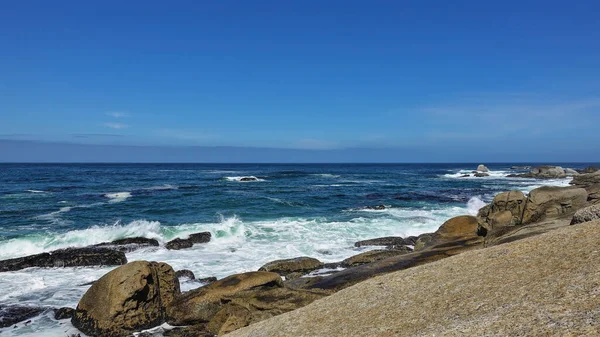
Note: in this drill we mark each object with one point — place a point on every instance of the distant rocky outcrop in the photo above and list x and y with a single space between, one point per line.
193 239
70 257
482 168
127 299
543 172
481 174
521 168
585 180
589 169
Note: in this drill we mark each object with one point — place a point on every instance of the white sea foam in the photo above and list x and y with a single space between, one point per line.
35 191
492 174
239 179
164 187
326 175
118 196
474 205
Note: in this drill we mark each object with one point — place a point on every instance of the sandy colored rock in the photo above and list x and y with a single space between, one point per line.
537 286
586 214
511 201
586 179
127 299
200 305
553 202
482 168
295 265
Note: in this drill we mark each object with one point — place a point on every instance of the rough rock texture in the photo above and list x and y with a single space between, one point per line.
553 202
296 265
514 233
481 174
423 240
505 210
543 172
189 331
482 168
386 241
589 169
584 180
372 256
10 315
593 193
64 313
200 305
127 299
586 214
129 244
538 286
185 273
455 236
70 257
179 243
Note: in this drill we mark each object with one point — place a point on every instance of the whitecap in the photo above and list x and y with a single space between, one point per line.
35 191
118 196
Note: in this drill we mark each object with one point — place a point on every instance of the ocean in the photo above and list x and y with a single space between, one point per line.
290 210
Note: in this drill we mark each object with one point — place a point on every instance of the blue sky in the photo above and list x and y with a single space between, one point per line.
475 79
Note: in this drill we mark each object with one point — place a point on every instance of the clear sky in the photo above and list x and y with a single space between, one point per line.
407 80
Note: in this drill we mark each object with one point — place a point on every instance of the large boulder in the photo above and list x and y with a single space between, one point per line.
70 257
200 305
584 180
192 239
571 172
482 168
296 265
127 299
543 172
586 214
495 214
550 202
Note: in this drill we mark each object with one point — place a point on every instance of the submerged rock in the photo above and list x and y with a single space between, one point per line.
70 257
10 315
130 298
285 267
248 179
63 313
185 273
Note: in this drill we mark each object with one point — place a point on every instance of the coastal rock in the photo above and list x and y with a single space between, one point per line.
386 241
10 315
179 243
375 208
589 169
200 305
248 179
482 168
521 168
129 244
185 273
549 202
494 215
296 265
513 233
189 331
543 172
593 193
586 214
372 256
586 179
570 172
251 306
127 299
63 313
481 174
207 280
465 175
423 240
70 257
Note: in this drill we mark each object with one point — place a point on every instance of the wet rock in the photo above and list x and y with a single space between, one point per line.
185 273
179 243
190 331
249 179
584 180
10 315
482 168
481 174
207 280
130 298
70 257
372 256
586 214
129 244
200 305
385 241
465 175
63 313
552 202
296 265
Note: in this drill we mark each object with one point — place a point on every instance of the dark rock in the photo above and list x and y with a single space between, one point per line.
207 280
129 244
385 241
372 256
589 169
177 244
296 265
375 208
63 313
190 331
465 175
185 273
481 174
10 315
70 257
130 298
248 179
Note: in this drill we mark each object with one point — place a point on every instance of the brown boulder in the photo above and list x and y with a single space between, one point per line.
586 179
586 214
553 202
127 299
200 305
296 265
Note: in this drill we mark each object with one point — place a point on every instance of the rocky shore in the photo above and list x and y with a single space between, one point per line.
141 294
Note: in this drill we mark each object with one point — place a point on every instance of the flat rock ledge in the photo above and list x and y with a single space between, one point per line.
70 257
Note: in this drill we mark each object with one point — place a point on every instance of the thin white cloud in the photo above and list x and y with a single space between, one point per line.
116 125
117 114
